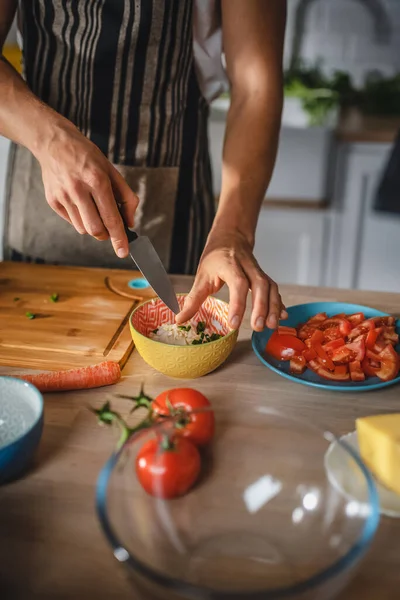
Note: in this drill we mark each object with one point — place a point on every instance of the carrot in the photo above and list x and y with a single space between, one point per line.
105 373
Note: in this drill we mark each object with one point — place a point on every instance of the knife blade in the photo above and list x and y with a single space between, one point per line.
149 264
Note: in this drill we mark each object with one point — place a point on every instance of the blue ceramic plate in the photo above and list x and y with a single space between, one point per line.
300 314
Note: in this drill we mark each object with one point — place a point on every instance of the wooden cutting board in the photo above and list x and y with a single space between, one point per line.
89 322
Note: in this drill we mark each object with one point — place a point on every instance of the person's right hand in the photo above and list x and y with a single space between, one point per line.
84 188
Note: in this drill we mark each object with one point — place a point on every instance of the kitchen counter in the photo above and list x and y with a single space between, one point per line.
51 546
357 128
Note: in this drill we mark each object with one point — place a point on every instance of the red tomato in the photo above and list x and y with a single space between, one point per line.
340 373
362 329
284 347
372 336
357 348
388 361
168 473
198 427
322 355
306 331
309 354
298 365
331 334
356 319
391 336
316 319
356 372
382 321
343 324
333 345
284 330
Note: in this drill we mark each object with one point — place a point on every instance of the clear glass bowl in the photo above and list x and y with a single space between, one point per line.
264 520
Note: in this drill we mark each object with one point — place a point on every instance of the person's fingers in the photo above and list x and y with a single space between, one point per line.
260 293
126 198
108 209
84 204
274 306
195 298
74 217
238 284
284 313
59 209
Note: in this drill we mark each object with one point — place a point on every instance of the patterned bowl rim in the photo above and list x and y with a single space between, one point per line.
39 415
224 337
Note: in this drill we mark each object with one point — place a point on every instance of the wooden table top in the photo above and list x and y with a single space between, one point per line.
51 546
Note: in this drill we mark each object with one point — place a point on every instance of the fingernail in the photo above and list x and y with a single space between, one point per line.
121 253
272 321
235 322
260 323
284 314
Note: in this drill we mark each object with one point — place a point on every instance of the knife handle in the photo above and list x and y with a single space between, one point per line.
131 235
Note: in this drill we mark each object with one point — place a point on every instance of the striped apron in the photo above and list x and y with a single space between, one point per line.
123 72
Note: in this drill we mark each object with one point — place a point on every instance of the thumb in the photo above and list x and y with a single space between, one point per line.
195 298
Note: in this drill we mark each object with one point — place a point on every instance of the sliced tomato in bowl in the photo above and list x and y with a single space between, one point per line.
331 334
284 347
356 319
362 329
333 345
284 330
356 371
340 372
298 365
341 323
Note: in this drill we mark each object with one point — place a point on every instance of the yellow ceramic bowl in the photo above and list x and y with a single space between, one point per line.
183 362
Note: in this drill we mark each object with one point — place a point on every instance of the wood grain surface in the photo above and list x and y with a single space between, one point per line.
87 324
51 546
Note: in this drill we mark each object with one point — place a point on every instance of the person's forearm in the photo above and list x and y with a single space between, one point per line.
24 118
250 146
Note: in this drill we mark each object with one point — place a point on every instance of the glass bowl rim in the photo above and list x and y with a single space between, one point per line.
356 552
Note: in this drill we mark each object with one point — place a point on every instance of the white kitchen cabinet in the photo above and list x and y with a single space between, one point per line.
290 245
4 150
365 244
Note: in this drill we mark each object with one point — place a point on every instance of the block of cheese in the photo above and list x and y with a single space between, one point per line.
379 443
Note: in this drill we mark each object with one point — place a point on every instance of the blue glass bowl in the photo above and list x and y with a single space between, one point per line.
300 314
21 425
263 522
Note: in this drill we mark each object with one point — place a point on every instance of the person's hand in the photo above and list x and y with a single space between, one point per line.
84 188
228 258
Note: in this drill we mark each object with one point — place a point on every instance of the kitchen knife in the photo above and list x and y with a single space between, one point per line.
149 264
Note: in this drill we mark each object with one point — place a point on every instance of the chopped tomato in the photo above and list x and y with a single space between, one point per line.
310 354
318 318
298 365
322 355
308 342
380 345
284 347
356 372
283 330
343 324
340 373
369 367
362 329
342 355
340 316
356 319
372 336
306 331
333 345
388 359
382 321
391 336
332 333
357 348
389 368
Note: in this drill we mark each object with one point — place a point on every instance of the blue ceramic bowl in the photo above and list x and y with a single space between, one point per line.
300 314
21 425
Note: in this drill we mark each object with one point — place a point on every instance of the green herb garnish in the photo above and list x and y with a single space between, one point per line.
30 315
184 327
54 297
201 327
16 299
155 331
214 337
197 342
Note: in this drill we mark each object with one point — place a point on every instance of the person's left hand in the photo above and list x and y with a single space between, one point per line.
228 258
